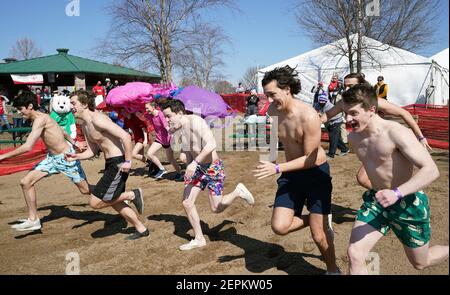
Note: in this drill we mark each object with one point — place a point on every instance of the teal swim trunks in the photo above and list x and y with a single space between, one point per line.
54 164
409 218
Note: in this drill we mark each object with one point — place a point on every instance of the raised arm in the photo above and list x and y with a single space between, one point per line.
394 110
332 112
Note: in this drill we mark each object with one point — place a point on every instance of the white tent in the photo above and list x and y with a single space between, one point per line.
438 89
441 58
411 78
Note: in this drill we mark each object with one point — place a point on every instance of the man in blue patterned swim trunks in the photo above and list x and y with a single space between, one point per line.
205 168
53 136
389 153
55 164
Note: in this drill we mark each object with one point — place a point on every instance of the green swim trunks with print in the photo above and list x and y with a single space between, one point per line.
409 218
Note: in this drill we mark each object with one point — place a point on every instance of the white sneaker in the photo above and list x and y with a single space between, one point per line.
28 225
246 194
192 245
19 221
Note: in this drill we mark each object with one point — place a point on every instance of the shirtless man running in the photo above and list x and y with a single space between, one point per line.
104 135
52 134
305 174
389 153
205 168
384 107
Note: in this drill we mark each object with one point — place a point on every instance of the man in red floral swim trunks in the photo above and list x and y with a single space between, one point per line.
205 168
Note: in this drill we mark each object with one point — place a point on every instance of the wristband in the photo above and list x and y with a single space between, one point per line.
397 193
277 168
128 161
420 138
196 162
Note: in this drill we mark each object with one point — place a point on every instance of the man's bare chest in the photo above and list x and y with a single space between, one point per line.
93 134
287 131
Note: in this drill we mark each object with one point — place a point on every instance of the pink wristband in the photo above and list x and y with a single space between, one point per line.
397 193
277 168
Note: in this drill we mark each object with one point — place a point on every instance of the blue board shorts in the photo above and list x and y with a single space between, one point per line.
312 186
55 164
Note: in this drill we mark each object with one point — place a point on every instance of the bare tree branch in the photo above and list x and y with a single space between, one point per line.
250 78
201 59
223 87
25 48
153 33
407 24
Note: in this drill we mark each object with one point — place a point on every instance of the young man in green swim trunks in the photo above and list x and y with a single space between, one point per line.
389 152
384 107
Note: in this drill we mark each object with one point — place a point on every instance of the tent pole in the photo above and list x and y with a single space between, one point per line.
423 84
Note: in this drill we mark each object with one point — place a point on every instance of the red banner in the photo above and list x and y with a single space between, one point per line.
28 79
23 162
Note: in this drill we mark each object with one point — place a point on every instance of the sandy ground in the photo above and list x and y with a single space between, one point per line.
240 240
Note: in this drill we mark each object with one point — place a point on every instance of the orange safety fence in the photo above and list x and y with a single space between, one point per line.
433 121
238 101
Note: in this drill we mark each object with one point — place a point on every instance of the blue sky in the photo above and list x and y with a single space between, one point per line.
263 33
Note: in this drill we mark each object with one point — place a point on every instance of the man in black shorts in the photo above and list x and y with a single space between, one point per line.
102 134
305 174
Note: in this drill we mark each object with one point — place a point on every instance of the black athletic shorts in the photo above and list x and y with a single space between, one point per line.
112 183
165 146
